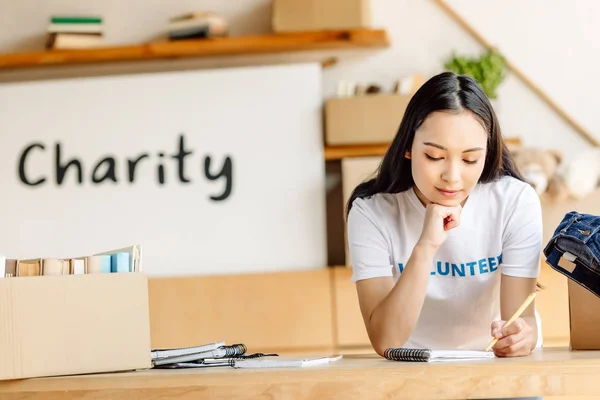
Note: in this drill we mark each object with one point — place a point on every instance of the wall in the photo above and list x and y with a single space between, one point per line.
422 34
555 43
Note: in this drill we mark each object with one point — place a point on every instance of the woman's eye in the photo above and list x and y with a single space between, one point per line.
471 161
432 158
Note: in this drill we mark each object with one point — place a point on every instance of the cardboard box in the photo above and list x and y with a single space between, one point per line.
314 15
570 308
552 304
354 171
584 318
237 304
368 119
73 324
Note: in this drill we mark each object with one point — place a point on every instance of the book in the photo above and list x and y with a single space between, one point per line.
193 365
175 352
93 265
10 268
191 33
105 264
75 28
52 266
191 15
135 256
58 19
284 362
73 40
428 355
216 353
120 262
29 267
98 264
197 25
78 266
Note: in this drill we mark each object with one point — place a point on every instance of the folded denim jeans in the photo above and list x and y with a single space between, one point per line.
574 250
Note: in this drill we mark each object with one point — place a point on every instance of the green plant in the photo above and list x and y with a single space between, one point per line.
489 70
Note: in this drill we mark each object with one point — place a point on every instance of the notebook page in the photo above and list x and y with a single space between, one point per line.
284 362
450 355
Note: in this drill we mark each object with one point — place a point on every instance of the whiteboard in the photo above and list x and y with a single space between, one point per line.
212 172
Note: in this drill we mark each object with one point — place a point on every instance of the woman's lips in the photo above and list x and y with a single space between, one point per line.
448 193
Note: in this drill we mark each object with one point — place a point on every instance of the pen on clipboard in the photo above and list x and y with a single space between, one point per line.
514 317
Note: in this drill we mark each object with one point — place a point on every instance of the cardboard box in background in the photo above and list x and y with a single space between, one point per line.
368 119
314 15
73 324
552 304
354 171
584 318
281 312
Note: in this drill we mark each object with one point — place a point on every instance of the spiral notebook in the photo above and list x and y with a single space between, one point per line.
427 355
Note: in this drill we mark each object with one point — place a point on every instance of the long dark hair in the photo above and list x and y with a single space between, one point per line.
444 92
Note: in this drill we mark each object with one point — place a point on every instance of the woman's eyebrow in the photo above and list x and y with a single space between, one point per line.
443 148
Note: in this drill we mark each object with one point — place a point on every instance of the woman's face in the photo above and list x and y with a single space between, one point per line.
447 157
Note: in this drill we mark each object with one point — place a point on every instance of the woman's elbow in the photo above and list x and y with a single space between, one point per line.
380 346
379 350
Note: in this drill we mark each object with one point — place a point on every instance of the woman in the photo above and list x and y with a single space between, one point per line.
445 241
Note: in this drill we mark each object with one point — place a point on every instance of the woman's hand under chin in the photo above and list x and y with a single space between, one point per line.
438 221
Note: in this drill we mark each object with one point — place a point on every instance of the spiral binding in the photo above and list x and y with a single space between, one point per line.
234 350
402 354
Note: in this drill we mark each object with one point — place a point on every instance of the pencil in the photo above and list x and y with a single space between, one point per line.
514 317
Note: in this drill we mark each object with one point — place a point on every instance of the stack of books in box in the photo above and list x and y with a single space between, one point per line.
74 32
128 259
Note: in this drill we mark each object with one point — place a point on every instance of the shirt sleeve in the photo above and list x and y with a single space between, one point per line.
368 248
522 239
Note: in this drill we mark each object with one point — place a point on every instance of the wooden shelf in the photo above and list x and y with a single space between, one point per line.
339 152
229 46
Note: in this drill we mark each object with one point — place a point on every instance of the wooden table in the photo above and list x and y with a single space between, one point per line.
549 372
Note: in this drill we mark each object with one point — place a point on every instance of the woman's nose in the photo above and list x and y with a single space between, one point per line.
451 174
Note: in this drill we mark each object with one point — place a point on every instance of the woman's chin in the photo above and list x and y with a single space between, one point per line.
449 202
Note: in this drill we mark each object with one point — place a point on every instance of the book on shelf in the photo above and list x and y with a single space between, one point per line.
74 32
195 25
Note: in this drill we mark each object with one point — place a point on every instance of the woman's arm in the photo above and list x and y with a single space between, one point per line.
390 311
521 255
521 337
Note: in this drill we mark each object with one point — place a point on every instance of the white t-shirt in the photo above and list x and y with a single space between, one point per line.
500 232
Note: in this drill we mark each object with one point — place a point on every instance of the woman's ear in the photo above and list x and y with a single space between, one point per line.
407 154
